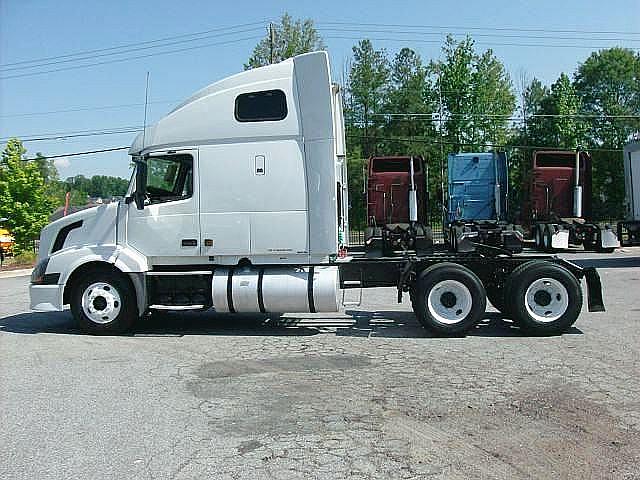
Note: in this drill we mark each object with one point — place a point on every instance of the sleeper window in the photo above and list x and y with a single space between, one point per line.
269 105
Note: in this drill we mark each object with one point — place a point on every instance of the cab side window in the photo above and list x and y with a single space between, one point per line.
169 178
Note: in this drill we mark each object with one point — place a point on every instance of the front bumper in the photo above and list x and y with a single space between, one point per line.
46 298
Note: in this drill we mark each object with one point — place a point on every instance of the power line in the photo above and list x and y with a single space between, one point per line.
66 137
127 45
462 144
492 44
75 154
506 29
506 116
76 133
535 37
90 57
87 109
73 67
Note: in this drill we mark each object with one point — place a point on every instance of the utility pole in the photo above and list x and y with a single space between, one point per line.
271 42
440 114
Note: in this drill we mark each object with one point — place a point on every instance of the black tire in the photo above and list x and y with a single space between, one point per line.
548 315
537 237
412 298
117 302
472 298
506 297
546 239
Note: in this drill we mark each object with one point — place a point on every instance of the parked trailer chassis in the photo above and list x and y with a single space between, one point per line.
559 235
395 237
629 233
487 232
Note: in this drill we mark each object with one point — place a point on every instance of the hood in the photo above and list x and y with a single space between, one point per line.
93 226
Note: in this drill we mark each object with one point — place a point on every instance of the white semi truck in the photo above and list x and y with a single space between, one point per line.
629 229
239 203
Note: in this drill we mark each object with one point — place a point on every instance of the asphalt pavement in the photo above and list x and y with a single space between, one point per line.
366 393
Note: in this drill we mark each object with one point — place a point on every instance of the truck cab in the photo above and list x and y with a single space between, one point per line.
629 228
396 196
478 202
557 206
242 180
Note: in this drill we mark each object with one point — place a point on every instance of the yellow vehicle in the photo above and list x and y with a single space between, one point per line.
6 241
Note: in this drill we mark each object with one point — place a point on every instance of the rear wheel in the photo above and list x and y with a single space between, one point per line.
103 302
545 298
450 299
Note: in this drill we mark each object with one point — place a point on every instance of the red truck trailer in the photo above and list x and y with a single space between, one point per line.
557 205
397 204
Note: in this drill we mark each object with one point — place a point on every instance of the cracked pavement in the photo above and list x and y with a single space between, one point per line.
361 394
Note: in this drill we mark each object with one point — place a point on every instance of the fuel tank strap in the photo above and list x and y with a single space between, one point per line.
312 307
260 297
230 291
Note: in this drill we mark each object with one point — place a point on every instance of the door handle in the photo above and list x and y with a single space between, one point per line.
189 242
259 165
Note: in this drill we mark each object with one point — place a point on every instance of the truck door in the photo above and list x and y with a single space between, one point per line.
253 200
168 226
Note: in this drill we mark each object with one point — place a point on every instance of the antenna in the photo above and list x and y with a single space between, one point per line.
146 103
271 42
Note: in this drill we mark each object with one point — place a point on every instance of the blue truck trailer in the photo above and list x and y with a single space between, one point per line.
477 207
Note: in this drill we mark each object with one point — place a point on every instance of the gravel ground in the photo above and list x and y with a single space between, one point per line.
361 394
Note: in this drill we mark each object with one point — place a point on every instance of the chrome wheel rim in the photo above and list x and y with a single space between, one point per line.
546 300
449 302
101 302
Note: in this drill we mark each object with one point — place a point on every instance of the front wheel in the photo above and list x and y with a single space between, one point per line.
545 298
103 303
450 299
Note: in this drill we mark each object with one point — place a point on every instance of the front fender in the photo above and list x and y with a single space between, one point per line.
67 261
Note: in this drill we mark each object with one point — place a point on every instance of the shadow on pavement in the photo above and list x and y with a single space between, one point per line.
604 262
354 323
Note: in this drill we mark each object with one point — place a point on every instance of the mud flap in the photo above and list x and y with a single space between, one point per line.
608 239
560 239
594 290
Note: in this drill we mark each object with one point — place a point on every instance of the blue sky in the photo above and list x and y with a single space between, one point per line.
31 29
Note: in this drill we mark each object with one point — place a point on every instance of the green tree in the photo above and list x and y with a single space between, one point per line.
290 38
47 168
554 120
477 96
410 92
23 196
608 83
366 92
